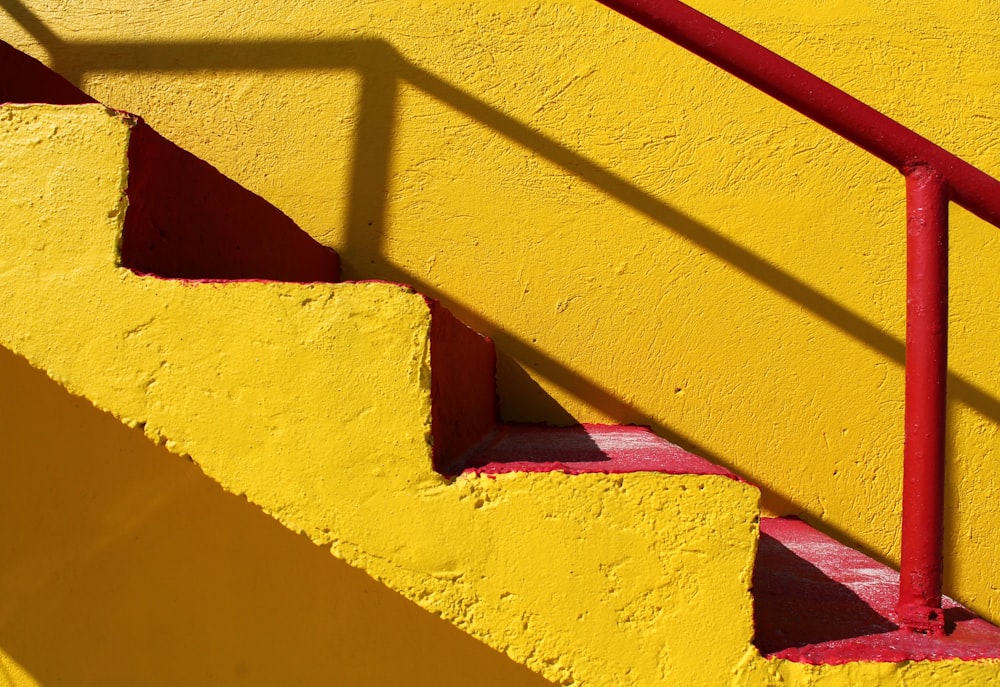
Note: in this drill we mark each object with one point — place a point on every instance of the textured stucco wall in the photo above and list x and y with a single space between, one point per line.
517 561
646 239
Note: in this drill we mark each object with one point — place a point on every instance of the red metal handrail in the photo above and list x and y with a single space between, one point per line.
933 178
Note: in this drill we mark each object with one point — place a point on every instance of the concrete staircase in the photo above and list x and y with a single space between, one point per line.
363 416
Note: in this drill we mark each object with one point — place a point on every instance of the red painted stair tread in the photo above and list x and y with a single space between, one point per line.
584 448
820 602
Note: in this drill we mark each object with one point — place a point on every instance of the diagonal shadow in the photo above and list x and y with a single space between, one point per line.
124 565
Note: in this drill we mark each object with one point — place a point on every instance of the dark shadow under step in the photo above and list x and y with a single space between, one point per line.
818 601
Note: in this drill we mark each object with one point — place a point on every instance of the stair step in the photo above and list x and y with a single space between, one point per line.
610 449
818 601
327 405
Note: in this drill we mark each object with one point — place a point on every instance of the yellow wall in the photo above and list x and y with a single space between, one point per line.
646 239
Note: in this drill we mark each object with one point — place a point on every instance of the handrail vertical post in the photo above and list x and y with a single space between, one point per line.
926 368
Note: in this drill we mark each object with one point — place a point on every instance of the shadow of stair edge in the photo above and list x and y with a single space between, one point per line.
118 557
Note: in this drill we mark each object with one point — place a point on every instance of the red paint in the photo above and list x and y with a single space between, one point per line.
822 102
926 373
24 79
186 220
818 601
463 397
585 448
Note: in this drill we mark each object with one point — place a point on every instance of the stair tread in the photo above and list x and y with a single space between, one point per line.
818 601
584 448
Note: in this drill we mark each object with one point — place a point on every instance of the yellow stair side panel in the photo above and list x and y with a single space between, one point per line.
313 401
125 565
